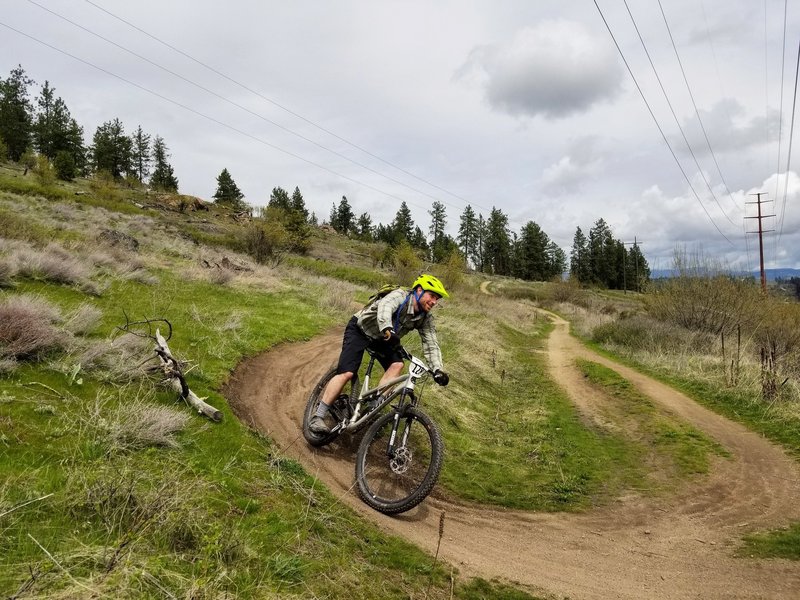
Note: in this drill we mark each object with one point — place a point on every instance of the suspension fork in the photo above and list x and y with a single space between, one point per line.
390 447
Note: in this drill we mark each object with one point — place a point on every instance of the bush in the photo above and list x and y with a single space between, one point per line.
452 271
3 150
45 173
29 328
407 265
267 242
64 164
644 333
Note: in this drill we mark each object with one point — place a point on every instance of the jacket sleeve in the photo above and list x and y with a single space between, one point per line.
430 344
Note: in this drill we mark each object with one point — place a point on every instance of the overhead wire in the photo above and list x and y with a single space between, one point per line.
210 118
655 120
236 104
284 108
694 103
674 116
791 136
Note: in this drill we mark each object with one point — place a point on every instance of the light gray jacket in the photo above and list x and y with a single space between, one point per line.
375 317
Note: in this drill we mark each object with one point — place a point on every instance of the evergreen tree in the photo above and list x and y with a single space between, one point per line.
497 248
140 154
298 204
532 261
16 113
163 177
478 253
56 134
556 260
364 227
601 253
418 240
111 149
468 233
279 198
439 247
403 225
579 262
343 220
228 193
637 269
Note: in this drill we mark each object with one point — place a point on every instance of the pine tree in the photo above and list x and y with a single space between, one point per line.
364 227
279 198
531 256
163 177
468 233
228 193
480 245
58 136
111 149
345 219
403 225
497 250
439 249
579 263
140 154
16 113
556 261
298 204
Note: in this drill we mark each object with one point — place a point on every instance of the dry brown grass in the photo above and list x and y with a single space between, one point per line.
8 270
29 327
119 360
139 424
83 319
54 263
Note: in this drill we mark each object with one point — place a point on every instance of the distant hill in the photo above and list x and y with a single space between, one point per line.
772 274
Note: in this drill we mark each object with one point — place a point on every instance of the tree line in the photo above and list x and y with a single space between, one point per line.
43 135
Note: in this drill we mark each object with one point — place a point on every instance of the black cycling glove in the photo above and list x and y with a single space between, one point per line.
390 337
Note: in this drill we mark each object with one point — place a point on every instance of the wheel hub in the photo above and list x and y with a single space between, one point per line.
401 461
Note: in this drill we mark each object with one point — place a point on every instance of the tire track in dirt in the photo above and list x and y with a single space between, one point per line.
675 547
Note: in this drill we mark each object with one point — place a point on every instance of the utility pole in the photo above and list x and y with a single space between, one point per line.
761 232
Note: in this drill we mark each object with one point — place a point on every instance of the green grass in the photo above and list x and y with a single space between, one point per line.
222 514
518 442
357 275
664 438
780 543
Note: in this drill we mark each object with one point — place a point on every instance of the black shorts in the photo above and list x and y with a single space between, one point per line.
355 342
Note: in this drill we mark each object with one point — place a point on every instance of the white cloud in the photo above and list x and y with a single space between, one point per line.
555 68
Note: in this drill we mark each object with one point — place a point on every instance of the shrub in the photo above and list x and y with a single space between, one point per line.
139 424
644 333
267 242
3 150
44 170
29 328
64 165
8 270
452 271
53 264
407 265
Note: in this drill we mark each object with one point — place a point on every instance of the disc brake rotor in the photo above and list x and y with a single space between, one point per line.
401 461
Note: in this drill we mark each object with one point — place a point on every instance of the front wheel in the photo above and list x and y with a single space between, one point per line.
394 479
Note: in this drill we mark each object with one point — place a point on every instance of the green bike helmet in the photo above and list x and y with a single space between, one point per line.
429 283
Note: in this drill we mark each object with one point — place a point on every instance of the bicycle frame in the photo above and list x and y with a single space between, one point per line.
403 385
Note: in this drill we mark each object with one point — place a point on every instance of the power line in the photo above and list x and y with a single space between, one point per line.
650 110
791 136
212 119
284 108
674 116
696 111
237 105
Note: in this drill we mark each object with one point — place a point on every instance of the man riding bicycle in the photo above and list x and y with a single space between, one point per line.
379 326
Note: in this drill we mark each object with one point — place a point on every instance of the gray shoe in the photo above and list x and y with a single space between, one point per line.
318 425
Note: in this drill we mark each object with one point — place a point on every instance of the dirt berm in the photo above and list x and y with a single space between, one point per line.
680 546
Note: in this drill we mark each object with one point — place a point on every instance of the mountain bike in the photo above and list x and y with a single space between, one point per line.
400 456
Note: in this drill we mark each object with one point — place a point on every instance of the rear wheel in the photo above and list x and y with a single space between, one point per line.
337 413
394 480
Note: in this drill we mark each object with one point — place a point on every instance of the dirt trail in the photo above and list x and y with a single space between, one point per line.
676 547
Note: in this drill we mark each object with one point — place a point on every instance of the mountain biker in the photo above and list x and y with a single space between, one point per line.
379 326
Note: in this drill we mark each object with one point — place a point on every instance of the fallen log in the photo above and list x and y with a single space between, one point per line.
174 373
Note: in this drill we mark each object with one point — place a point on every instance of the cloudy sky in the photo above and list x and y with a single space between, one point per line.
521 105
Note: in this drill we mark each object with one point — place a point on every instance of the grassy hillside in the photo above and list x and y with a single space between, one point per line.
111 487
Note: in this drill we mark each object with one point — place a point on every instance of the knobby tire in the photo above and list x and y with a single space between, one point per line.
393 489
